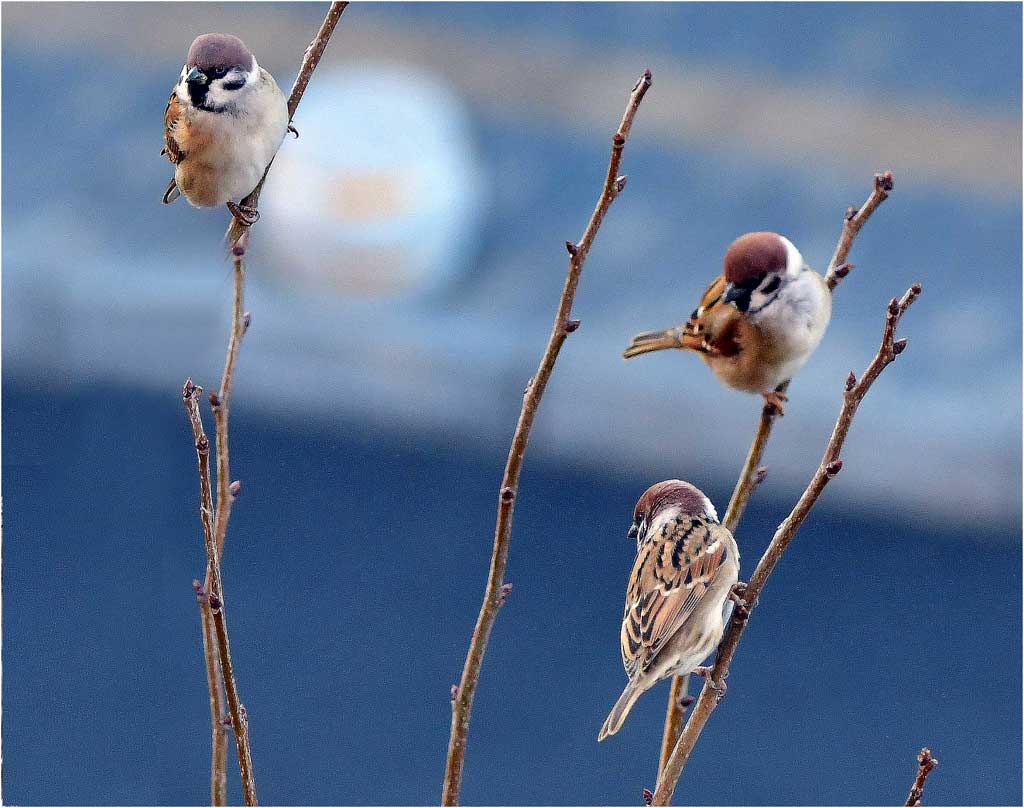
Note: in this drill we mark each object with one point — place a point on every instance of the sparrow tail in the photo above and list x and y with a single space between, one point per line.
613 723
660 340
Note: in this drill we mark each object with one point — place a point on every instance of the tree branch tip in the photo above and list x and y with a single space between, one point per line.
851 382
507 495
571 325
572 249
899 346
235 488
915 289
648 796
833 468
884 182
188 389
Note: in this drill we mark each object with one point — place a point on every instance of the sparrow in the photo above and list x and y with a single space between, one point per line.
758 322
224 122
679 595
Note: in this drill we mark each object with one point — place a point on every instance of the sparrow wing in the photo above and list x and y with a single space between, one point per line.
713 327
672 573
172 115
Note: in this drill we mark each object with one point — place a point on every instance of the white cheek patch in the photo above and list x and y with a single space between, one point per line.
709 509
794 260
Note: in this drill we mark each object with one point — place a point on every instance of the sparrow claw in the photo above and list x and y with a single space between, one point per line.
246 215
707 672
736 594
294 131
774 399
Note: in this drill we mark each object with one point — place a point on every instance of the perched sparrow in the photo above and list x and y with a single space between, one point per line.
758 322
678 596
223 125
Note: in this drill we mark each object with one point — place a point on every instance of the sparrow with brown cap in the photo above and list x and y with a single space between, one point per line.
758 322
224 123
679 591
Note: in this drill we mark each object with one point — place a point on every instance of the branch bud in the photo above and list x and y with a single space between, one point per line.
188 389
850 214
648 796
215 603
833 468
455 693
884 181
760 475
618 141
507 495
214 400
572 248
246 321
899 346
851 382
506 590
571 325
843 270
620 183
894 307
916 289
235 488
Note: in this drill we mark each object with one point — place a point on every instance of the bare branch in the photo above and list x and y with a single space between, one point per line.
218 743
750 475
830 466
212 605
310 60
853 222
563 326
925 764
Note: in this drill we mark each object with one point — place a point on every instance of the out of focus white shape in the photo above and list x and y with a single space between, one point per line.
383 192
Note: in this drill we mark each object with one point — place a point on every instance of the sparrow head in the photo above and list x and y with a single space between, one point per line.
756 267
218 71
665 496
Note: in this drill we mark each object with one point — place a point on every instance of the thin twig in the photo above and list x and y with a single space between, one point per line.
310 59
830 466
925 764
749 478
462 703
214 604
218 745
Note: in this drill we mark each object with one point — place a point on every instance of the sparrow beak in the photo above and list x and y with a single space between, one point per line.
196 76
633 531
737 295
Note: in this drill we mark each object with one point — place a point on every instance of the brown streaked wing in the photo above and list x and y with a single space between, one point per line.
714 322
673 571
172 114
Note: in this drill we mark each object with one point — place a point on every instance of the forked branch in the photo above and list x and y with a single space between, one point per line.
462 696
752 472
830 466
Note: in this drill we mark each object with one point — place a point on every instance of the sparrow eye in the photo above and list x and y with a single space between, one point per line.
217 72
772 285
234 85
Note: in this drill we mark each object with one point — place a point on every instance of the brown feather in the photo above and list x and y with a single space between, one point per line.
173 118
673 571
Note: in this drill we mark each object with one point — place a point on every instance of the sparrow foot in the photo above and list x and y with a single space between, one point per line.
736 595
774 401
294 131
245 214
708 673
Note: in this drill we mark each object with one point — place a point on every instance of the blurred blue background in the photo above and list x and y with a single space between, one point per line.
402 285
